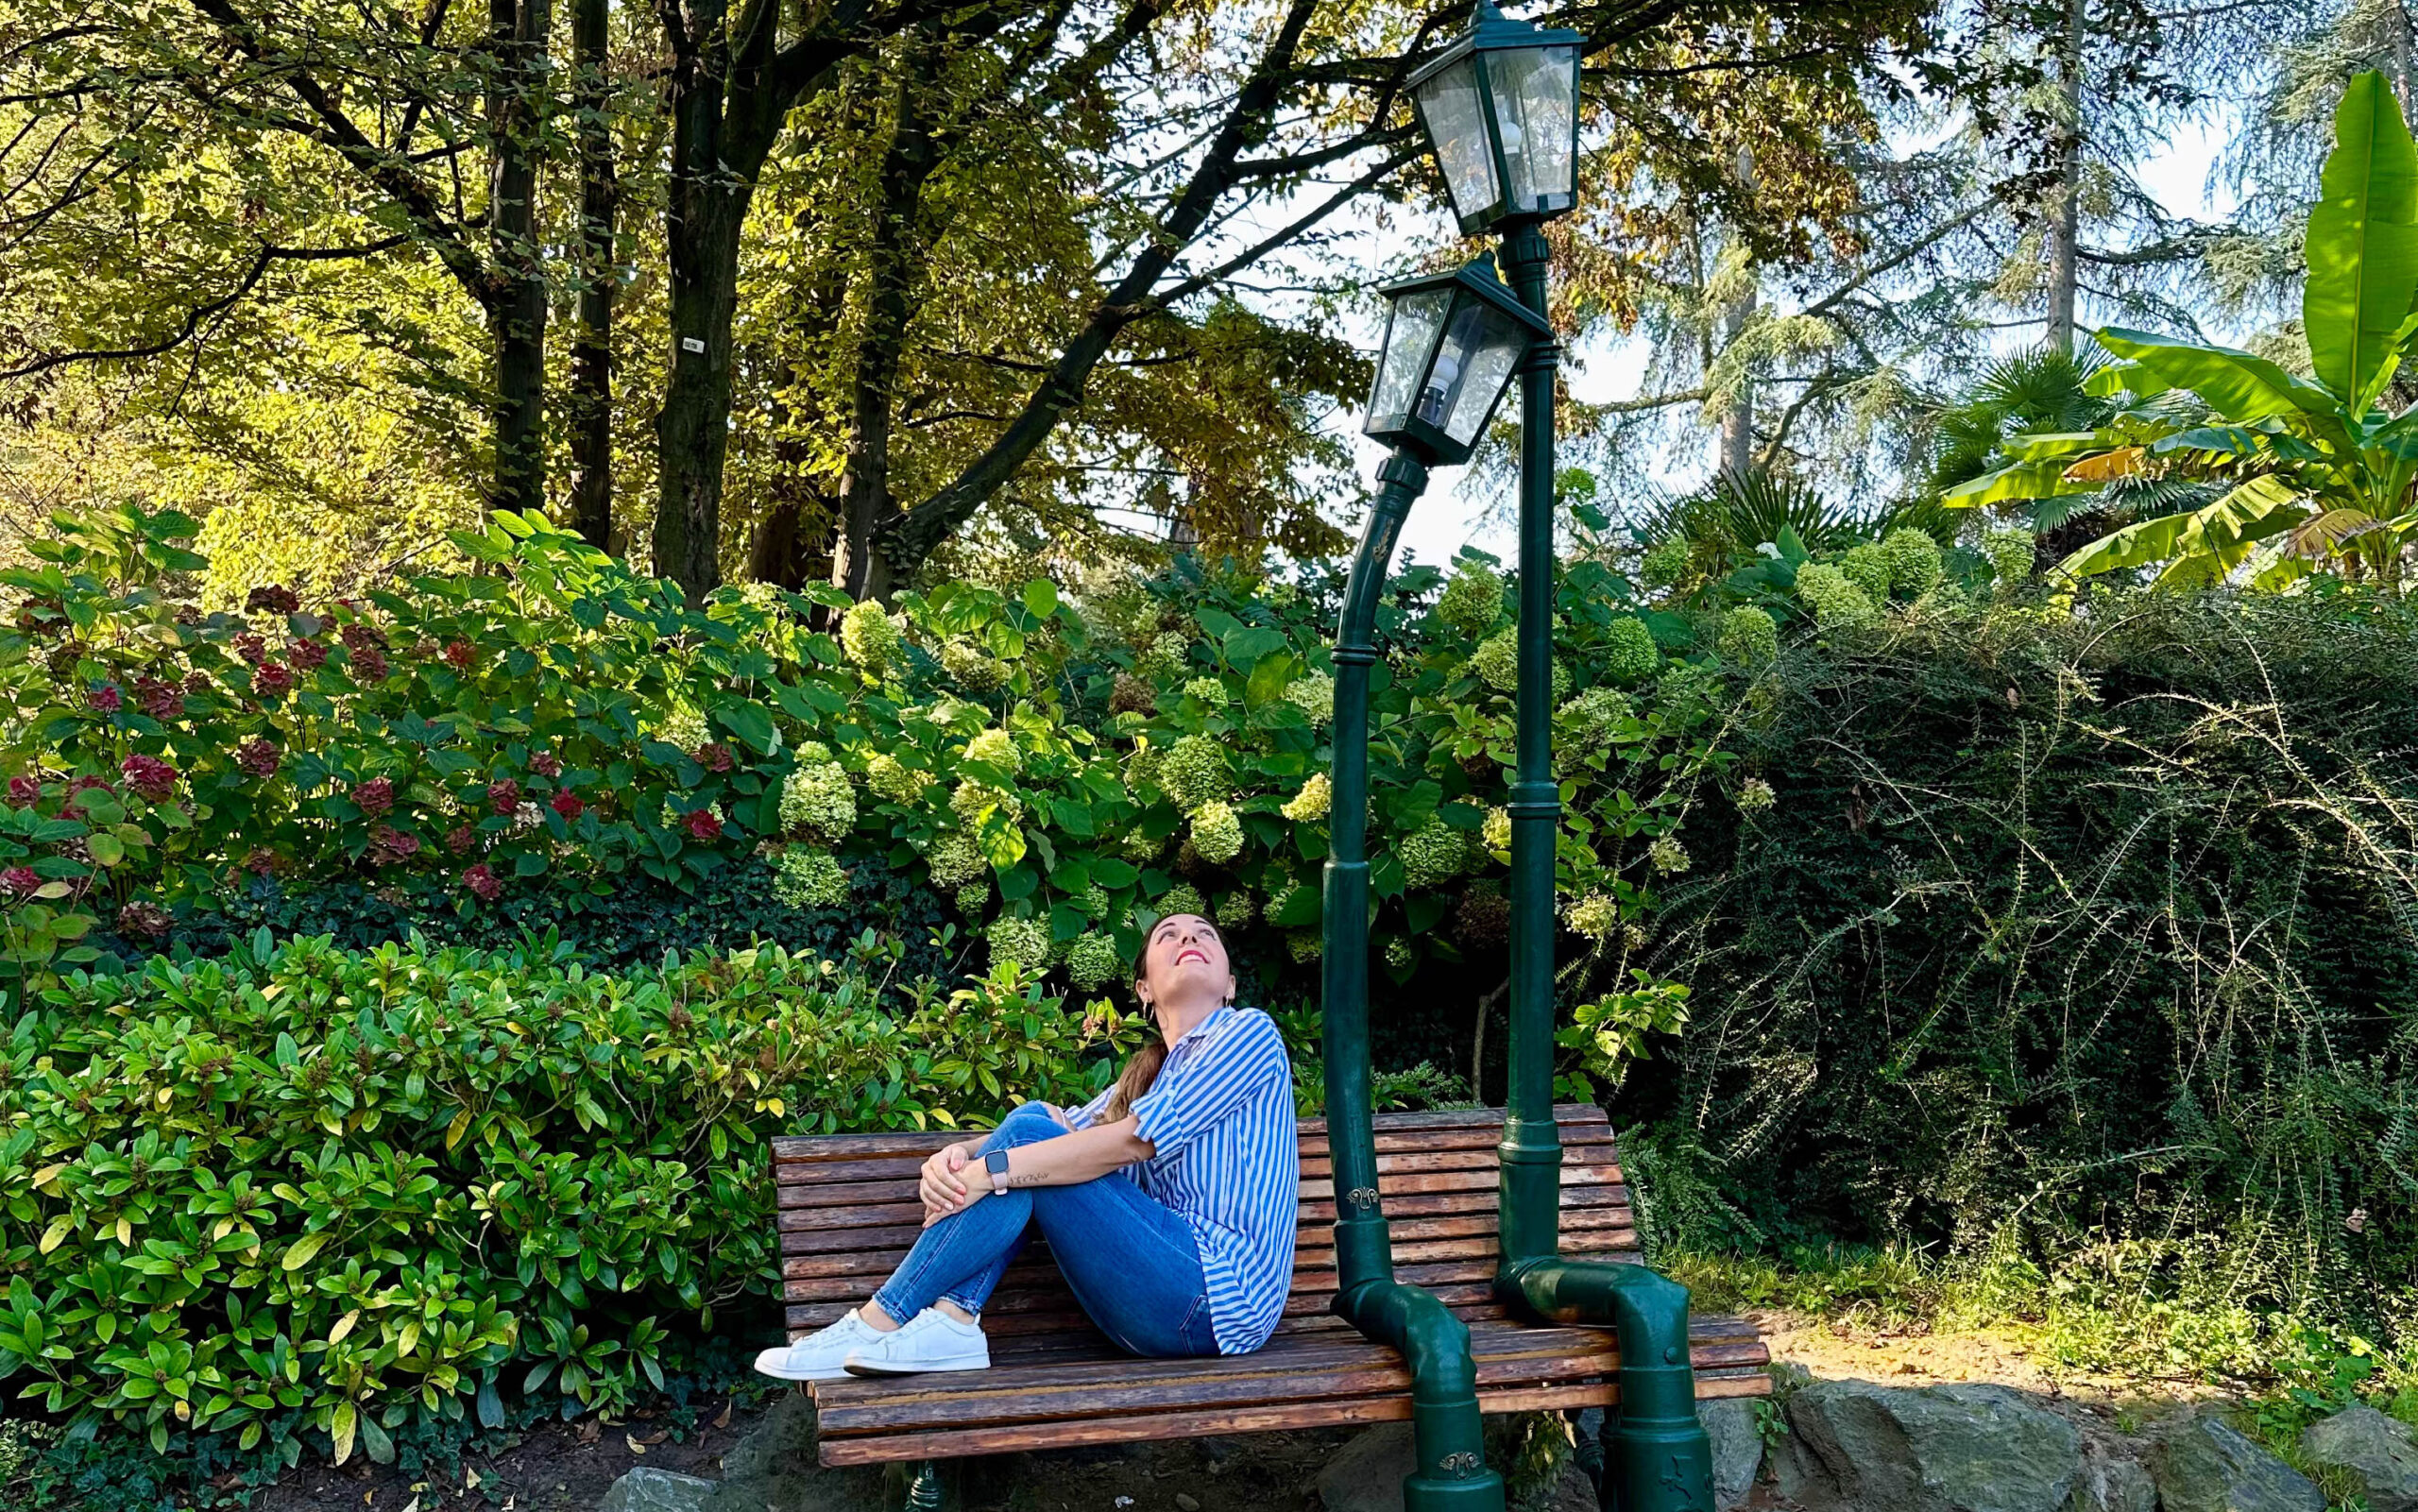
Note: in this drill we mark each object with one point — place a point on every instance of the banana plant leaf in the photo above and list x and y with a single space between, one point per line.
2220 533
2362 246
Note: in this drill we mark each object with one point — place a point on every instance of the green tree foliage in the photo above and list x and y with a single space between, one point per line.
2317 474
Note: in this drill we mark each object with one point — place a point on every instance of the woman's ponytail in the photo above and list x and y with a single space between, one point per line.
1137 1076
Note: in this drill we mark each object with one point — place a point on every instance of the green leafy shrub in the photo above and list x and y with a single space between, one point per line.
303 1195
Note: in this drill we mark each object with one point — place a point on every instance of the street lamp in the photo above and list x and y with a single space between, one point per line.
1500 108
1453 341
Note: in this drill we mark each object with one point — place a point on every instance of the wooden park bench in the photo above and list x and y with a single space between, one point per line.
848 1214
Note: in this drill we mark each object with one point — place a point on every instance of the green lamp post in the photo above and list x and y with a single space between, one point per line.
1453 341
1500 107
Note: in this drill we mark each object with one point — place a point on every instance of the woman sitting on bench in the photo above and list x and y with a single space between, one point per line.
1168 1200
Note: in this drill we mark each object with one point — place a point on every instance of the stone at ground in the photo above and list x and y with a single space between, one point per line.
2203 1466
2111 1483
1737 1447
1969 1448
653 1490
774 1470
1367 1475
2379 1455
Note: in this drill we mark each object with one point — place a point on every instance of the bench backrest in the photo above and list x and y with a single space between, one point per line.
848 1214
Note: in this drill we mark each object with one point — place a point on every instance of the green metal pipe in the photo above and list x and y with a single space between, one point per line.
1531 1148
1450 1472
1661 1459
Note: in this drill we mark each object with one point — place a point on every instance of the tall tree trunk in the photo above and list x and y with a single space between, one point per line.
893 265
2064 227
590 402
517 318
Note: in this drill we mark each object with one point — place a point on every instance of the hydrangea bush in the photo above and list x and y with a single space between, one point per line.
554 723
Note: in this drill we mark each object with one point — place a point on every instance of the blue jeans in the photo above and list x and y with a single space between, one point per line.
1129 1258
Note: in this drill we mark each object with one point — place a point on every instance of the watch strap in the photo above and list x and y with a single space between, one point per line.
996 1163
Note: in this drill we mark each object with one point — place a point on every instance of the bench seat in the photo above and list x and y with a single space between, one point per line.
1055 1381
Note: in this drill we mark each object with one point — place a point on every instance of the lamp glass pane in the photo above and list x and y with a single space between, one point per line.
1455 118
1484 344
1536 90
1409 337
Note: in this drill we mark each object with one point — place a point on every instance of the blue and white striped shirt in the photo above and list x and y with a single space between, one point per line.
1220 1119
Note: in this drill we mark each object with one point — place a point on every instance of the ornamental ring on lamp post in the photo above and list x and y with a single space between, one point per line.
1453 341
1501 106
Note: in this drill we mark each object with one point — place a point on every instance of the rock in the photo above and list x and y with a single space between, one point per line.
2378 1454
1962 1448
2201 1464
1366 1476
654 1491
1186 1502
1737 1447
774 1470
2111 1483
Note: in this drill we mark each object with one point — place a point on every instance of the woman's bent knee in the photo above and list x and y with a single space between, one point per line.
1030 1124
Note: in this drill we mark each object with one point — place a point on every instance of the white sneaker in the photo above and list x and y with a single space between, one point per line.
819 1355
931 1340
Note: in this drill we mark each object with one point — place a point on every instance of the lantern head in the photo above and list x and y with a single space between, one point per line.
1453 341
1500 107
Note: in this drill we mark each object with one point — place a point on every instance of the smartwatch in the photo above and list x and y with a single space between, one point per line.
996 1163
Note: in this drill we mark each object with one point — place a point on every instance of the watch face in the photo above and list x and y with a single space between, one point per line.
995 1162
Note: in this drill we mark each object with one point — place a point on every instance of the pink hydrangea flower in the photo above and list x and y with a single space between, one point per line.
272 681
459 655
374 797
459 840
106 698
259 757
149 777
714 757
482 880
24 793
159 698
19 881
271 598
544 765
251 647
703 824
566 804
392 846
369 664
307 654
504 796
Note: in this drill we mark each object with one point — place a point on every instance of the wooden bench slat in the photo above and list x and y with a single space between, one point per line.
1320 1209
814 1146
1469 1178
883 1449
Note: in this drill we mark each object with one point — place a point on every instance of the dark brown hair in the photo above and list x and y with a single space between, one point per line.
1143 1069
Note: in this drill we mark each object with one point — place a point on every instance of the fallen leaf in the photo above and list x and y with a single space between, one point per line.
469 1479
591 1430
650 1441
412 1505
724 1421
632 1439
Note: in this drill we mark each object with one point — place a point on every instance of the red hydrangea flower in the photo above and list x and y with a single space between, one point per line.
260 860
144 920
374 797
368 665
703 824
459 655
197 683
272 598
483 881
251 647
19 881
568 805
544 765
714 757
361 634
258 757
149 777
392 847
24 793
459 840
504 796
159 698
106 698
272 681
307 654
